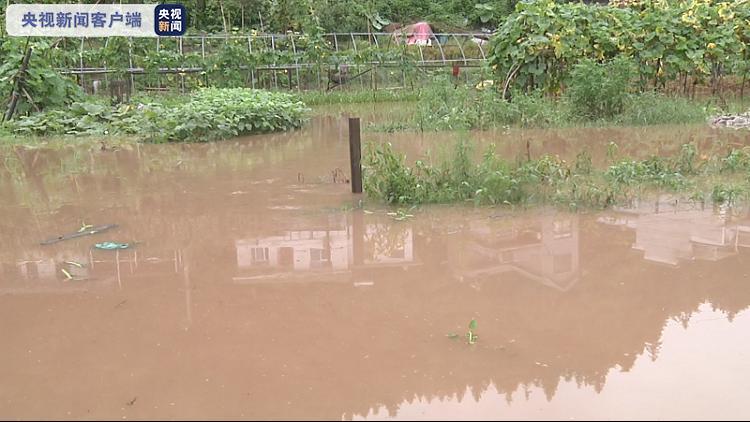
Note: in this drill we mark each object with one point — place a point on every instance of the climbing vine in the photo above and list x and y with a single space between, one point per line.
696 40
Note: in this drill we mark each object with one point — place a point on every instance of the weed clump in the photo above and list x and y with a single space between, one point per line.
549 179
597 94
599 90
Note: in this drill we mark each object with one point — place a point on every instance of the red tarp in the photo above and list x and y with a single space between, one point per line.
418 33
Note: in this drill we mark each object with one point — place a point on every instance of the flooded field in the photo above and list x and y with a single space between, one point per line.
255 286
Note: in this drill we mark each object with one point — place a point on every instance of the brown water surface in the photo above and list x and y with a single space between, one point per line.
255 290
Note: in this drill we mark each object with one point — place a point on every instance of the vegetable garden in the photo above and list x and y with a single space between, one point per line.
676 45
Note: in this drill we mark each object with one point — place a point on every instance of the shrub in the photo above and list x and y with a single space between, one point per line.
444 106
599 90
44 85
213 114
209 114
548 179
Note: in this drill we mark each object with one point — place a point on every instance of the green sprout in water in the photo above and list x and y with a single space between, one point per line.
471 337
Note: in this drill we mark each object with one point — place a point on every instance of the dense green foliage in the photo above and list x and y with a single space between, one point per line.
444 106
234 61
595 52
213 114
548 179
591 99
599 90
45 86
651 108
228 63
209 114
538 45
82 118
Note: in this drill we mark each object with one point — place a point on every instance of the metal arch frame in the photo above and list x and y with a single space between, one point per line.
460 47
354 42
481 50
421 53
298 66
442 54
167 70
459 38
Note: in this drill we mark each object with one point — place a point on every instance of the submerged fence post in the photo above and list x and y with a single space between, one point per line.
355 154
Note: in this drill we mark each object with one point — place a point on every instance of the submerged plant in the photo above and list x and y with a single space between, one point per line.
726 194
599 90
545 180
471 337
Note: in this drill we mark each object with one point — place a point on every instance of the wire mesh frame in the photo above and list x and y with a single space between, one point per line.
460 39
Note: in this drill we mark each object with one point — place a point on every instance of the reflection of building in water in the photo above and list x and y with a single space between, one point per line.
41 271
335 250
296 251
37 272
544 250
388 244
669 232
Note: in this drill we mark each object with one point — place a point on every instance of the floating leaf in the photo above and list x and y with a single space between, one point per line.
473 324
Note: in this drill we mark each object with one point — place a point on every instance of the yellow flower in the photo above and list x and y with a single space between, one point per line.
711 45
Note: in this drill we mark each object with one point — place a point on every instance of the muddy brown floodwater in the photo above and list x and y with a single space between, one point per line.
254 290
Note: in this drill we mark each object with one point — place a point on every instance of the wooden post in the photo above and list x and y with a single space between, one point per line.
355 154
358 238
18 81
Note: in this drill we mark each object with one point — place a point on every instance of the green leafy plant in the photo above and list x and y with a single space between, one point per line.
471 336
83 118
540 43
43 87
213 114
209 114
727 193
545 180
599 90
